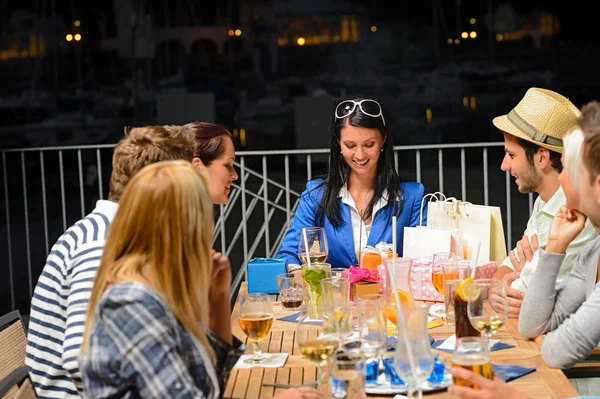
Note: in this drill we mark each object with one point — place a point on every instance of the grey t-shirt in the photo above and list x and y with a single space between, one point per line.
570 314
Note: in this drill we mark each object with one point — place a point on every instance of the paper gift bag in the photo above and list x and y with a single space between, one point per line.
476 222
427 240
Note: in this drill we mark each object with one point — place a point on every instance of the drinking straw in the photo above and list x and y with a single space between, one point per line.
474 260
306 248
399 315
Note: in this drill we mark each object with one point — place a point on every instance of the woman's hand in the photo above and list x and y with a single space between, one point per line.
221 276
488 389
566 226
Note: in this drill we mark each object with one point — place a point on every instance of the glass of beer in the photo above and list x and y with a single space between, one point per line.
314 346
472 353
255 319
488 306
441 259
462 323
290 291
312 245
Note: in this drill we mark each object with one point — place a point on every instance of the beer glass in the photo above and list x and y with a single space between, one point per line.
255 319
488 306
472 353
313 243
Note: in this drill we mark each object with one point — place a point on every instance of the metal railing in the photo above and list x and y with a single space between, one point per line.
40 204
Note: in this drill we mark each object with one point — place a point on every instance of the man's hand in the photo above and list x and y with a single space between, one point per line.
525 251
299 393
567 225
515 297
221 276
488 389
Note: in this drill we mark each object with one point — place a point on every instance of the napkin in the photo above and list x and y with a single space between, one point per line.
276 360
509 373
293 318
448 344
437 310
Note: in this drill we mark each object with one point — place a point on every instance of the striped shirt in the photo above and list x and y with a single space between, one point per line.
59 305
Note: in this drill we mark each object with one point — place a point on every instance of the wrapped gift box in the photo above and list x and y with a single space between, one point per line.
363 288
262 274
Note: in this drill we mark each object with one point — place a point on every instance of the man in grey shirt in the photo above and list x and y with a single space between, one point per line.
570 314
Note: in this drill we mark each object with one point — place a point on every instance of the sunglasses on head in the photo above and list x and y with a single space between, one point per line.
368 107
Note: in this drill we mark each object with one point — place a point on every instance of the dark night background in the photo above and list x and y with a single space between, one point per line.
190 63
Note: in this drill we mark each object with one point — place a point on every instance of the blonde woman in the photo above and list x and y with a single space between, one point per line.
147 331
158 323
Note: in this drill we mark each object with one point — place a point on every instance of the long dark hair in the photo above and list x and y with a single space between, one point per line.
386 177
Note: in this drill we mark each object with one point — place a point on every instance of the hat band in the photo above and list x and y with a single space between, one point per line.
531 131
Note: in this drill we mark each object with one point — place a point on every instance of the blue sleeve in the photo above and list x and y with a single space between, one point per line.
304 217
415 216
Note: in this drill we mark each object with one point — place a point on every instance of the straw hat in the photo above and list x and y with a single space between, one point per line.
541 117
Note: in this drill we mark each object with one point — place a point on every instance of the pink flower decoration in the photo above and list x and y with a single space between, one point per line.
357 274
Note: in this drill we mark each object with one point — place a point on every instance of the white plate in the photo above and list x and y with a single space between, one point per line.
383 387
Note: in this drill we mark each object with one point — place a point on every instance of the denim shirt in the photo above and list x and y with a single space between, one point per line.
138 349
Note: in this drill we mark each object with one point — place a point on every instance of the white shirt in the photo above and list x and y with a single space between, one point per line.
360 231
539 223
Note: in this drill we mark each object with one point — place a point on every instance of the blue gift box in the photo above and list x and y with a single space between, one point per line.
262 274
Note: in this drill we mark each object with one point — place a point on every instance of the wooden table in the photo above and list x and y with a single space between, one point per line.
247 383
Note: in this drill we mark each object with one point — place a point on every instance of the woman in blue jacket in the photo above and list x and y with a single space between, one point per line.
361 192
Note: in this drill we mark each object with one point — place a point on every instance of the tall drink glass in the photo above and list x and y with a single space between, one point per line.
461 310
472 353
312 276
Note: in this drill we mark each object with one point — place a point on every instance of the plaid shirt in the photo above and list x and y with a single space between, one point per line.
138 349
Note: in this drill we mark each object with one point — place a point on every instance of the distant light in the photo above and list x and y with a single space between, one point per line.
301 41
473 103
238 32
450 40
243 137
230 32
456 41
255 17
466 102
472 21
428 115
77 23
464 35
373 28
473 35
69 37
499 37
77 37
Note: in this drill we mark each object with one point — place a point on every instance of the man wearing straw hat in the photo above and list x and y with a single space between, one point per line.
533 133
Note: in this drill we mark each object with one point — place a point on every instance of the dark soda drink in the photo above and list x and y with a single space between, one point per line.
461 318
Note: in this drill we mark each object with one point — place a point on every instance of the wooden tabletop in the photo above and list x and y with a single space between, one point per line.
247 383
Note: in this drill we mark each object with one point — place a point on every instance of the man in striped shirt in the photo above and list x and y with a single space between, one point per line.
61 296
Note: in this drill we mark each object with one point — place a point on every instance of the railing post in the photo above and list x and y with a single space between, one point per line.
266 206
463 175
44 203
244 217
8 235
26 212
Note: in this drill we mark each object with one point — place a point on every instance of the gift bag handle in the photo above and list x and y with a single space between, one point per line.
430 195
452 206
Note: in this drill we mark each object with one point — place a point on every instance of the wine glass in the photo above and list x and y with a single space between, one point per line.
255 319
313 241
441 259
317 348
488 306
413 358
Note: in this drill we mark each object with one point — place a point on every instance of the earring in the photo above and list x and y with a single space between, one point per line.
381 149
341 153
